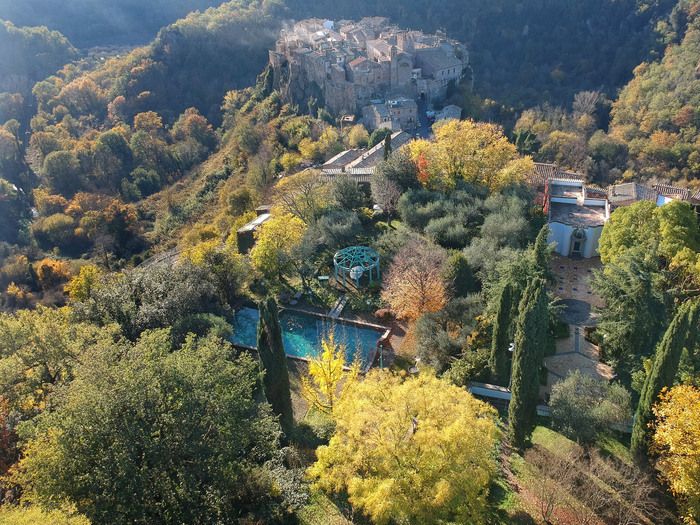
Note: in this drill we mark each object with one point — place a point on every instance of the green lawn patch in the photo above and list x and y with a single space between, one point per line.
321 510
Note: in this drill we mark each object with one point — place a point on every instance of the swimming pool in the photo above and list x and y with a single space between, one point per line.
302 334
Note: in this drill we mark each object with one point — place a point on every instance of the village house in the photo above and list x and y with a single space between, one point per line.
346 65
360 163
577 212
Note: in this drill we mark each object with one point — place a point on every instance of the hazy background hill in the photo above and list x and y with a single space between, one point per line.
523 52
90 23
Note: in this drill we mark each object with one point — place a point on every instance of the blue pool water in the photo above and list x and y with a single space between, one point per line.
302 334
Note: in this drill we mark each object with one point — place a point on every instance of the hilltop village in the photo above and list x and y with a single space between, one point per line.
368 67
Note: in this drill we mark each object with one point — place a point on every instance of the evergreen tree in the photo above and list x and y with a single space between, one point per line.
681 333
542 254
498 362
274 364
531 335
387 146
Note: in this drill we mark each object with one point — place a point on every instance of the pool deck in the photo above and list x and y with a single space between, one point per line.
383 340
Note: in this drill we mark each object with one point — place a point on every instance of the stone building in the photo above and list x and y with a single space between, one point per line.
345 65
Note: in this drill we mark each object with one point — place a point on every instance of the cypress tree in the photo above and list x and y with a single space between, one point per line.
274 364
680 333
531 335
498 362
387 147
542 254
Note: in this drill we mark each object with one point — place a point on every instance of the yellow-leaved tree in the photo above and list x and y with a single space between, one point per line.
410 451
327 379
304 195
272 254
677 441
80 286
475 152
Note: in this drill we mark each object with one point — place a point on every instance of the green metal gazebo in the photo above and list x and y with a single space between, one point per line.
354 262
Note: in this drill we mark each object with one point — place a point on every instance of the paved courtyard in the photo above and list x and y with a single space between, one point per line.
575 352
573 279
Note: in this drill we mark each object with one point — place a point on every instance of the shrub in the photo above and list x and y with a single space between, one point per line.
582 407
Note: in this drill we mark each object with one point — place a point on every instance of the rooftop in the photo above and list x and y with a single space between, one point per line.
577 215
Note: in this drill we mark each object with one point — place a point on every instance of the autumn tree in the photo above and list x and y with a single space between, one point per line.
358 136
477 153
676 440
327 379
148 121
304 195
274 364
413 451
33 514
414 283
272 254
79 288
531 335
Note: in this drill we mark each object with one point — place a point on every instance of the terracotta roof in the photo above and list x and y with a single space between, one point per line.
357 62
672 191
544 172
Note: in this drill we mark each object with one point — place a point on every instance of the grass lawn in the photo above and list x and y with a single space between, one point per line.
321 510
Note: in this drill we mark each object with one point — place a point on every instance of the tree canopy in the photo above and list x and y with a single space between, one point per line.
154 436
418 450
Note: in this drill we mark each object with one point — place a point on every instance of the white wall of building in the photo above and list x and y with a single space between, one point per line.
560 235
592 240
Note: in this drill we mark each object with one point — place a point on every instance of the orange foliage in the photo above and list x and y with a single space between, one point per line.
51 272
414 284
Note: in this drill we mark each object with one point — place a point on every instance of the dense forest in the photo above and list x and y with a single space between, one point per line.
126 174
90 23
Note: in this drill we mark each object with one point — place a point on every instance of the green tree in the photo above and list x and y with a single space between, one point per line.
377 136
146 435
387 146
347 193
274 364
500 342
680 334
62 172
39 350
583 406
635 314
399 169
531 338
542 255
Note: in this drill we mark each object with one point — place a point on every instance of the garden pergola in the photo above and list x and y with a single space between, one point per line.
354 262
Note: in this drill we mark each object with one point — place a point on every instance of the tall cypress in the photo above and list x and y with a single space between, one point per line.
542 254
387 147
531 334
499 360
681 333
274 364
